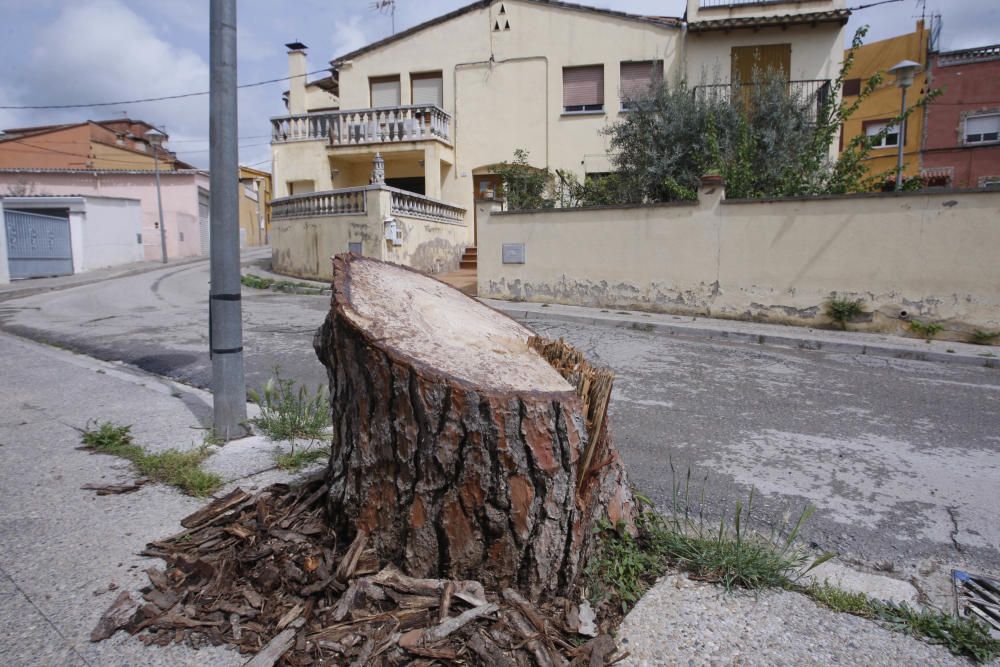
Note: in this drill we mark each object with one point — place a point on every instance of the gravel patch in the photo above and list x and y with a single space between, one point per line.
684 622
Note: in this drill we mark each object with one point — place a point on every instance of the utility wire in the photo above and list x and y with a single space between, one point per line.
872 4
153 99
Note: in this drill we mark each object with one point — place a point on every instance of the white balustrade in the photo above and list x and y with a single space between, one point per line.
418 206
347 201
415 122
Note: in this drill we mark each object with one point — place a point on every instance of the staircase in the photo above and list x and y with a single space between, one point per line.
469 258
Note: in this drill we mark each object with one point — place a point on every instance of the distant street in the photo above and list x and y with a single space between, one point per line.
901 458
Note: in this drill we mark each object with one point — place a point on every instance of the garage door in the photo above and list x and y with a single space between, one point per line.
37 245
204 221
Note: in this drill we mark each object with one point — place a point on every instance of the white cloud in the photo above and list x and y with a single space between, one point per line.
103 51
348 34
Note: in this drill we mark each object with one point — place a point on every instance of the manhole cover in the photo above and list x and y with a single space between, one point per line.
977 597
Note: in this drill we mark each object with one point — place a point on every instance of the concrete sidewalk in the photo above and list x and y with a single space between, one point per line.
778 335
65 553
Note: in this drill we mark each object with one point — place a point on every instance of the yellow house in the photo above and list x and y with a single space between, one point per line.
878 110
255 207
438 105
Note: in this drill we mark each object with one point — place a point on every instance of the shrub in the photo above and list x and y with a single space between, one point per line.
843 311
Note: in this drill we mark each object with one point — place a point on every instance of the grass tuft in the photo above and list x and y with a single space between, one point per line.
843 311
301 457
961 636
181 469
926 330
287 412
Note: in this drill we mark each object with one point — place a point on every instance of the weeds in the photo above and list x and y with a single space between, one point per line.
177 468
962 636
256 282
843 311
299 458
729 553
926 330
982 337
287 413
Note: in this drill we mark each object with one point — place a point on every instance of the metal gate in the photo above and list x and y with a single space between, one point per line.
37 245
204 221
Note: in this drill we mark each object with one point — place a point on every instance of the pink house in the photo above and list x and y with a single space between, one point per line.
185 200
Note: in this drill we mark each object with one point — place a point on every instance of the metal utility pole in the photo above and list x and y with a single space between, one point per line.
225 309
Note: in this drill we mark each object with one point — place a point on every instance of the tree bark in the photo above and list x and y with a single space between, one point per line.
465 447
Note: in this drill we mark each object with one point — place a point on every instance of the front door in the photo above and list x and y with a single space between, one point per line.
486 186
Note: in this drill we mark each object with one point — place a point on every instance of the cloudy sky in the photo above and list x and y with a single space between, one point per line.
86 51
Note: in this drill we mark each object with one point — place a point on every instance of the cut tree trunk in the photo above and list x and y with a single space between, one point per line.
464 446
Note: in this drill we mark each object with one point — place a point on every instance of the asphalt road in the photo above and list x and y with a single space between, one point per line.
900 458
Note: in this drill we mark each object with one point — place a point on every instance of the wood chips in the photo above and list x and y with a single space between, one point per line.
267 575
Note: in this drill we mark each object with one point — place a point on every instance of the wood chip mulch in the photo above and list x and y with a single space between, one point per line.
267 575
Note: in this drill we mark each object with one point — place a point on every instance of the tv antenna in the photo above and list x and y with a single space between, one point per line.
386 7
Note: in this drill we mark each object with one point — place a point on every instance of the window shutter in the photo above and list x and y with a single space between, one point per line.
385 93
428 90
852 87
639 76
583 86
982 128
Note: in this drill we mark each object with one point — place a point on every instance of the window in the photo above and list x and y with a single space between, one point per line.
637 78
852 87
583 88
384 91
982 129
427 88
891 137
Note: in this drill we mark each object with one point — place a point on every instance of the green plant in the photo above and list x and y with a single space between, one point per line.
962 636
729 553
177 468
256 282
525 186
300 457
287 412
982 337
926 330
843 311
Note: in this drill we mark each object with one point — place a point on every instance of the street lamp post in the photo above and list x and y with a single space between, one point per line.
904 71
155 138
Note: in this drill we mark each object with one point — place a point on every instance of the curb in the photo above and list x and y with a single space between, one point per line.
7 295
774 340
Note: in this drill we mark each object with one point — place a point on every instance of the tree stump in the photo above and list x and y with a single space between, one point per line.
463 446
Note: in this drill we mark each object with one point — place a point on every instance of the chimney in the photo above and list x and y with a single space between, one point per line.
297 82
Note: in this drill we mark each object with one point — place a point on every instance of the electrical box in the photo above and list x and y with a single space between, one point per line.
393 231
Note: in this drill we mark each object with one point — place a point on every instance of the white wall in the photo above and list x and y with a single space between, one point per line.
110 229
4 268
932 255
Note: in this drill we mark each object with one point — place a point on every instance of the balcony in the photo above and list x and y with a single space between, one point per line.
354 201
814 93
415 122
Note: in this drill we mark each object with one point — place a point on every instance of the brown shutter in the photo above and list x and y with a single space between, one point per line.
583 86
637 77
763 57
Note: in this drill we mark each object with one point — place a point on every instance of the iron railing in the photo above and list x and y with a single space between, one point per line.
413 122
712 4
814 93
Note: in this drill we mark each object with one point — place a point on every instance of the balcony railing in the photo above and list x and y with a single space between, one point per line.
346 201
415 122
813 93
353 201
418 206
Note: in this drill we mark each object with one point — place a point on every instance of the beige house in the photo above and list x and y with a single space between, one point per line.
443 102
